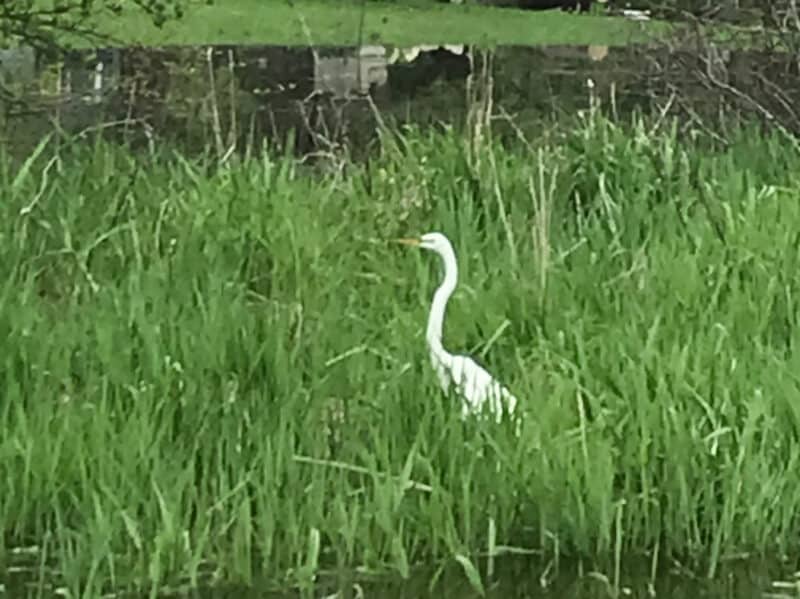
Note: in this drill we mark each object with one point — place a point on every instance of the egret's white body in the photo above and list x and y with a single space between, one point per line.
478 389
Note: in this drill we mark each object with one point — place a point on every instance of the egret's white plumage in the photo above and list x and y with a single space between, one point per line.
475 385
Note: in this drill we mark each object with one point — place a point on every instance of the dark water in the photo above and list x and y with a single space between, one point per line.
234 98
523 578
27 574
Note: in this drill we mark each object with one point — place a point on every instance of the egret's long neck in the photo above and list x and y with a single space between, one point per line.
439 304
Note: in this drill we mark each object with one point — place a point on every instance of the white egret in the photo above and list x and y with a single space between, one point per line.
475 385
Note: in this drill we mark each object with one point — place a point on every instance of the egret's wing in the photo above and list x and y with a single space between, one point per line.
478 387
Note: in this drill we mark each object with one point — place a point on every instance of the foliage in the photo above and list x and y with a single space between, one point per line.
225 366
47 24
778 14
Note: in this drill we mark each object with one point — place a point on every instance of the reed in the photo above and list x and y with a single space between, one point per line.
219 375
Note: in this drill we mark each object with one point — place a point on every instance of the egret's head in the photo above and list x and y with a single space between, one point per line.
430 241
438 243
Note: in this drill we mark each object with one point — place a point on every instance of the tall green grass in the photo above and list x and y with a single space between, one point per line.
224 370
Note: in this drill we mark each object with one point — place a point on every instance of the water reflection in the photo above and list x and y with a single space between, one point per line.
344 74
232 96
252 92
514 576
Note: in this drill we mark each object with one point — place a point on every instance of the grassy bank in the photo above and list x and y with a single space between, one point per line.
225 369
349 22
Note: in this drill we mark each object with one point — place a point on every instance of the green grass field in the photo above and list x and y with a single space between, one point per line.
349 22
225 367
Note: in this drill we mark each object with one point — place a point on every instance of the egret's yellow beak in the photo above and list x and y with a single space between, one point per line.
407 241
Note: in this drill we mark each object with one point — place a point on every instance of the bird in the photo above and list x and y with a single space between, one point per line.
478 389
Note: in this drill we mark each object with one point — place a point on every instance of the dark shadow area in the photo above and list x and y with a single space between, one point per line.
327 99
513 577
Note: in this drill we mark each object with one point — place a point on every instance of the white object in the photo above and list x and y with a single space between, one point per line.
636 15
342 76
475 385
